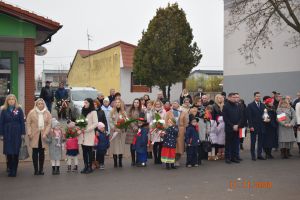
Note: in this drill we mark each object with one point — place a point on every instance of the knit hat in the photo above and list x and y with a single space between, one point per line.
101 125
54 123
106 99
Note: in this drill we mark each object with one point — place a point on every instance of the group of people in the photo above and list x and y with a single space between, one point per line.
160 130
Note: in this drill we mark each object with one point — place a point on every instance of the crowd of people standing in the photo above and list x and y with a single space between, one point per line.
204 129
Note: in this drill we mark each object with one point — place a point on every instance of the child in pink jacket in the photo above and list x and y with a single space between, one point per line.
72 146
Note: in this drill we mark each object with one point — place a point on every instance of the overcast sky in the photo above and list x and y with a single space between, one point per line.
111 21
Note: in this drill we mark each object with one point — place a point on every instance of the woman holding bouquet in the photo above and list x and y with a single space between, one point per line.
38 126
87 137
270 125
133 113
286 118
118 136
155 132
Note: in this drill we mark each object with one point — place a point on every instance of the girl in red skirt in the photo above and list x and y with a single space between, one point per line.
169 144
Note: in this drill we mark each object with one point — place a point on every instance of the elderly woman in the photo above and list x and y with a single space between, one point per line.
287 119
38 126
12 129
117 144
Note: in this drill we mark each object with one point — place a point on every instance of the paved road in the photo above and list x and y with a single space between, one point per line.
209 181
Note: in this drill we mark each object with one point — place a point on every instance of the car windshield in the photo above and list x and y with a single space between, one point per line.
81 95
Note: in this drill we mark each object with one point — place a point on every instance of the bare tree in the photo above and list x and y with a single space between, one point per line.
263 18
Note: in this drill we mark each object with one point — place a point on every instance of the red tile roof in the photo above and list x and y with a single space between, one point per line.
29 16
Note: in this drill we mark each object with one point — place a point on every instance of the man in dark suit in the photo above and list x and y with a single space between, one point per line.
255 112
232 116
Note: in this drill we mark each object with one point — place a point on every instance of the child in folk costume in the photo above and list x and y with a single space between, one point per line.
169 144
55 140
102 144
72 146
149 115
141 142
192 142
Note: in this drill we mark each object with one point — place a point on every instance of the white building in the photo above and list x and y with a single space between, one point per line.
277 69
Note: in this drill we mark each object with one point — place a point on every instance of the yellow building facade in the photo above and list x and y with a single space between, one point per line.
99 69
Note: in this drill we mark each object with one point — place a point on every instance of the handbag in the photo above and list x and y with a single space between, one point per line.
23 154
206 144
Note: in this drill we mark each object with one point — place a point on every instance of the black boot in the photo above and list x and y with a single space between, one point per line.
289 153
282 153
41 163
267 153
69 168
167 166
241 146
84 169
149 156
299 147
53 170
75 169
120 160
115 160
286 153
133 161
35 165
57 170
173 166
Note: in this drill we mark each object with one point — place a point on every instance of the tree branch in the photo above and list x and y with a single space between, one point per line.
292 14
283 16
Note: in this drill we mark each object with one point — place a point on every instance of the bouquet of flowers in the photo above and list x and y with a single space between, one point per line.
157 129
81 122
207 116
72 132
158 123
124 123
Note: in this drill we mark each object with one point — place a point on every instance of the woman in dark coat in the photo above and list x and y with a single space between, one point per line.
270 126
12 129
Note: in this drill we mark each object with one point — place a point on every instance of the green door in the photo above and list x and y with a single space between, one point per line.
8 74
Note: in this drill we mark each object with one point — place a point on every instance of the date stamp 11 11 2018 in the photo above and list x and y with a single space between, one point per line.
245 184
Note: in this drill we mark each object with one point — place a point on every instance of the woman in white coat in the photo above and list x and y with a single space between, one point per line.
87 137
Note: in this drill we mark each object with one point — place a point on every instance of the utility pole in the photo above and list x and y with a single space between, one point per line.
89 38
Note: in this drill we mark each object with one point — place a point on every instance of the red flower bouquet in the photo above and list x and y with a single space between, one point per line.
124 123
72 132
158 123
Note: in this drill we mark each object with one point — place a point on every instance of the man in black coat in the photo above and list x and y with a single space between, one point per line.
255 112
47 95
232 116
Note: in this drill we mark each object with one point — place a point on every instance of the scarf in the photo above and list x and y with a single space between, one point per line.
40 113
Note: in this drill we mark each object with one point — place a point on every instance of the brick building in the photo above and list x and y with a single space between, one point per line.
21 32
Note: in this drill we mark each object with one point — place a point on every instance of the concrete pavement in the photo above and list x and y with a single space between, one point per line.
209 181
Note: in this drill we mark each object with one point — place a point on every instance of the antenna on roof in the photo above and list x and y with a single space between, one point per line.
89 38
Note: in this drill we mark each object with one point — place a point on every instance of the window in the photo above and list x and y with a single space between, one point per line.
5 64
138 85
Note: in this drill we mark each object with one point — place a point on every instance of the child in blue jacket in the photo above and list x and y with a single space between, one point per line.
192 141
140 142
103 144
